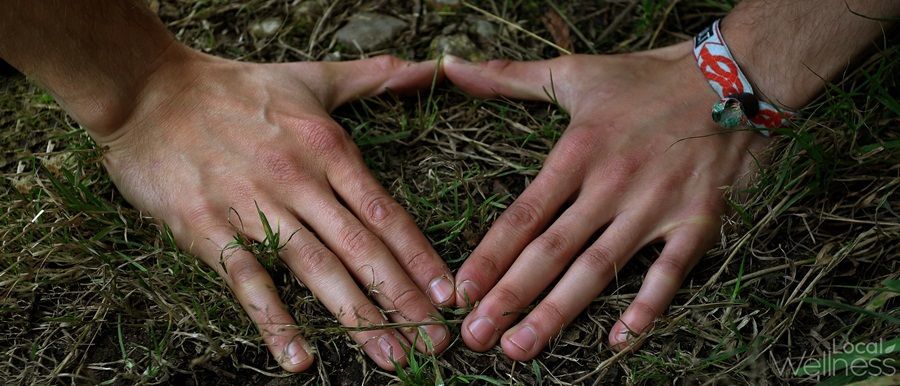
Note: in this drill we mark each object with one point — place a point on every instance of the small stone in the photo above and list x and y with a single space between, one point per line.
266 27
333 57
457 45
307 12
370 31
481 28
449 29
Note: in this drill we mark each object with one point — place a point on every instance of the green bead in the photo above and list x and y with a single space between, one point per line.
727 115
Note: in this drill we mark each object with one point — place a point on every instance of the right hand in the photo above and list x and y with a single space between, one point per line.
620 171
209 137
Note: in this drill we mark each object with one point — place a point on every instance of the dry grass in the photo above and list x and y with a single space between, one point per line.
91 291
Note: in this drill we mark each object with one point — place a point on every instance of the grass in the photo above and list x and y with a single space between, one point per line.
92 291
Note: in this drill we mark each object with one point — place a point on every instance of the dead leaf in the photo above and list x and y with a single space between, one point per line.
559 29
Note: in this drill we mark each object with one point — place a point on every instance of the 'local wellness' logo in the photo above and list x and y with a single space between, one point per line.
874 359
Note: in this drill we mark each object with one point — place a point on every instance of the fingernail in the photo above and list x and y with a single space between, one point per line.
440 290
296 353
524 338
437 333
468 290
387 343
624 335
621 337
483 330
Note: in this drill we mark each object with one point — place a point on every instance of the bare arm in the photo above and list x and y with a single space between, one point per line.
790 49
93 56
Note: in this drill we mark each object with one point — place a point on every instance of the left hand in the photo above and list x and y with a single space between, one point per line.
627 167
211 143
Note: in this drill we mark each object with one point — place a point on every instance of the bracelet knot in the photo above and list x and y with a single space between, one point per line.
739 106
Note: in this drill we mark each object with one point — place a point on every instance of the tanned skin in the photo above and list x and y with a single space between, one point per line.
196 141
190 138
622 165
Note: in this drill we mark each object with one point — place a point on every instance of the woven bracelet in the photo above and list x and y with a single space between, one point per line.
738 106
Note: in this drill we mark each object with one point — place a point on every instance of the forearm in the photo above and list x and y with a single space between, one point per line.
789 49
92 55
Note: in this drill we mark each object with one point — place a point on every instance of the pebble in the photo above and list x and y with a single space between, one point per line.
265 27
306 13
481 28
369 31
457 45
333 57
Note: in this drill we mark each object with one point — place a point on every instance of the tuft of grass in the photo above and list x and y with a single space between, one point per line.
267 251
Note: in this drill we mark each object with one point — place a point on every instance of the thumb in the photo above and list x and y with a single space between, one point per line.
539 80
342 82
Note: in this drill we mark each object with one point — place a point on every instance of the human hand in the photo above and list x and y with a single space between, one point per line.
208 138
636 165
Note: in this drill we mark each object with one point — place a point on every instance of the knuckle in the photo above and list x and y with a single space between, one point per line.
577 144
600 259
521 215
551 313
199 217
243 271
671 266
327 139
552 243
507 297
487 265
645 308
405 299
625 166
356 239
417 261
378 208
365 314
314 259
498 65
324 137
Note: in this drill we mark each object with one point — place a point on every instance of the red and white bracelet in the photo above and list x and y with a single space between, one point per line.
738 106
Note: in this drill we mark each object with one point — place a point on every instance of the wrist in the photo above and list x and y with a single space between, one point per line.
791 49
111 107
777 77
695 96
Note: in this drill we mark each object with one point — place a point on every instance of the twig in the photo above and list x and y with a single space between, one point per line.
517 27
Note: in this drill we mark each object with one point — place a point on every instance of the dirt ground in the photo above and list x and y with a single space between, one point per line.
92 291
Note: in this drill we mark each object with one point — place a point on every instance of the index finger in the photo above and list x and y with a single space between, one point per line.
519 224
336 83
521 80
